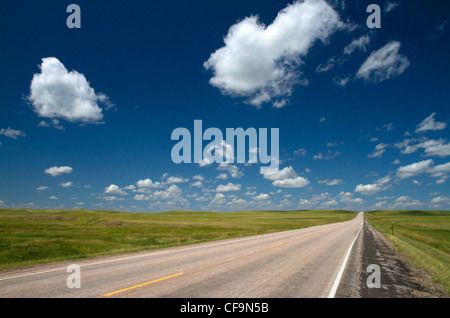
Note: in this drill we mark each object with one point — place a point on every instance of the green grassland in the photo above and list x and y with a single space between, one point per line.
29 237
422 236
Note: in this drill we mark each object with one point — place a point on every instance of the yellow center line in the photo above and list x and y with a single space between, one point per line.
275 245
140 285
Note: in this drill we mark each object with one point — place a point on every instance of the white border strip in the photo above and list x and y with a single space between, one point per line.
337 280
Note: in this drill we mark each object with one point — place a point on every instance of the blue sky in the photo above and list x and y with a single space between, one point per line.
87 113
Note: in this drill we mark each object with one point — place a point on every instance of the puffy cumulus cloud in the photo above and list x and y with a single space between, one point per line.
148 183
218 199
172 192
232 170
56 171
171 180
430 124
262 196
67 184
369 189
114 189
276 174
261 62
12 133
228 187
414 169
57 93
384 64
298 182
432 147
440 170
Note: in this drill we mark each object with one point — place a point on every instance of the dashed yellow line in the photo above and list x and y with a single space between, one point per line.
278 244
140 285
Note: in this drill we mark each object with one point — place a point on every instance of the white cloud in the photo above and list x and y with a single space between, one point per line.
330 203
379 150
66 184
298 182
300 152
172 192
220 149
232 170
228 187
440 199
56 171
341 81
322 68
111 198
114 189
357 44
333 182
384 64
53 198
197 184
58 93
414 169
222 176
198 177
334 144
262 196
277 174
430 124
367 189
387 127
172 180
439 170
218 199
12 133
390 6
141 197
432 147
41 188
261 62
328 156
379 185
147 183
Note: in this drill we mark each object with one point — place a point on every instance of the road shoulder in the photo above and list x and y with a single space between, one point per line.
398 279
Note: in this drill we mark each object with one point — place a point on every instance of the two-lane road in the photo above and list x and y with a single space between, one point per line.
297 263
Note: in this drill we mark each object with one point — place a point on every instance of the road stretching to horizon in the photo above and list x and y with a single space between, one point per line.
299 263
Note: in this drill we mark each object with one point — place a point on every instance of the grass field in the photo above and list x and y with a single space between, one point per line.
29 237
423 236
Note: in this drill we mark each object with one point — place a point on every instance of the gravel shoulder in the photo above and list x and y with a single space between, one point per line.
398 278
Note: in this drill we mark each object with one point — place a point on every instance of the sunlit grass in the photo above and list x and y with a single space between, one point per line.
29 237
423 236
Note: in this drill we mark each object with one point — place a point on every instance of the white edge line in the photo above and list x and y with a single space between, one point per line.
337 280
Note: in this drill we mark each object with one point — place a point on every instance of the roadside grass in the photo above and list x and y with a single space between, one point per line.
29 237
422 236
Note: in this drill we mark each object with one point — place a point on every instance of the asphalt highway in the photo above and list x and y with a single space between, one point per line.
291 264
